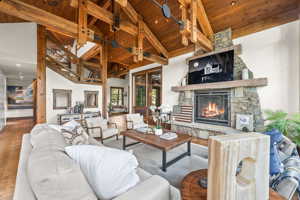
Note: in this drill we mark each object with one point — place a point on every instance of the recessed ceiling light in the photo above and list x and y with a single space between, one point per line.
156 21
18 65
233 3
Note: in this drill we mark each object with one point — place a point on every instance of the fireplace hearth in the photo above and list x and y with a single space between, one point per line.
212 107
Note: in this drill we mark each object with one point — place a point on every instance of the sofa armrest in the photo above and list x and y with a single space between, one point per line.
159 187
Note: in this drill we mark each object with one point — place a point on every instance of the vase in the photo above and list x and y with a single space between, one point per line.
158 132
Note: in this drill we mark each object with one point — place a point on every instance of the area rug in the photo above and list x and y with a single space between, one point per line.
150 159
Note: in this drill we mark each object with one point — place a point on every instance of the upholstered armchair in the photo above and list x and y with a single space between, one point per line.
98 127
135 121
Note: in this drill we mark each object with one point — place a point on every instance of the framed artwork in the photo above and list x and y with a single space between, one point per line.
91 99
62 99
19 97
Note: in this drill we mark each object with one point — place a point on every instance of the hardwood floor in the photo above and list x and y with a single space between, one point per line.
10 143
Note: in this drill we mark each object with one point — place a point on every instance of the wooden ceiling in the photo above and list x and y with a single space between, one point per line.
243 16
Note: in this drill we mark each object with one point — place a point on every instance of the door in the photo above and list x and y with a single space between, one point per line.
147 89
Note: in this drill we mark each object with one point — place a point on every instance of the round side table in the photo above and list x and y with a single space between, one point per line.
191 190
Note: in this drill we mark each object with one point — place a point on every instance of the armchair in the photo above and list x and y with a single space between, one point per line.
98 127
135 121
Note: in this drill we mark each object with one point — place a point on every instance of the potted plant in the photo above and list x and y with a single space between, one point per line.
159 115
288 125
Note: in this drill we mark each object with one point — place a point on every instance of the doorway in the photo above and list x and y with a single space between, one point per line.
147 91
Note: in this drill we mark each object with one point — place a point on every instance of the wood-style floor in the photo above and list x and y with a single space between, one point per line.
10 144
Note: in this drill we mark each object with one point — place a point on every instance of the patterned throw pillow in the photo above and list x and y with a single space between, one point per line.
77 136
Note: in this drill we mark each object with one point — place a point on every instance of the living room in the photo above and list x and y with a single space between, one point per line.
181 99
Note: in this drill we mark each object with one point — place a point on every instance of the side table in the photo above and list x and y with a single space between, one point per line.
191 190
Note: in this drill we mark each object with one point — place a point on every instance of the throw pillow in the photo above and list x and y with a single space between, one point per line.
77 136
71 125
110 172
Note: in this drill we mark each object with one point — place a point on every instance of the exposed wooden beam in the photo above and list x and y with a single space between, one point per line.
41 75
30 13
134 16
203 20
95 66
194 29
91 53
106 16
122 3
156 58
104 64
82 23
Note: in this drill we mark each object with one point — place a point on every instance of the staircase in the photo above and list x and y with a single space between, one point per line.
61 60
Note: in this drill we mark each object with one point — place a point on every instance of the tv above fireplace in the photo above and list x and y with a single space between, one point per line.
212 68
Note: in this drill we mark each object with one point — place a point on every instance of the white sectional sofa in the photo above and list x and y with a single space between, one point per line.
150 187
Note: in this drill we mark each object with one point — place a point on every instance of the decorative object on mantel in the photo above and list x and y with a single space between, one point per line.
252 182
63 118
244 122
245 74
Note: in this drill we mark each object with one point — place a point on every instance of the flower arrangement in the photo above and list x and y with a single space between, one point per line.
160 114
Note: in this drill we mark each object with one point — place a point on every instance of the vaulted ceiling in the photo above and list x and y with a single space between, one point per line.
243 16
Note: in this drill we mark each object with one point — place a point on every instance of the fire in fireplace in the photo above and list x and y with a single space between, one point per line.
212 107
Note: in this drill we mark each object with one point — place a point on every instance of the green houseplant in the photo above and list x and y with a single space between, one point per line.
287 124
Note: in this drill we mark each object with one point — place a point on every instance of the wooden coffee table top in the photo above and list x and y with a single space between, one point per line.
191 190
156 141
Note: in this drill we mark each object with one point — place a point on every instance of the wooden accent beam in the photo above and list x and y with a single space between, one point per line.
156 58
41 75
203 20
106 16
103 70
52 22
194 29
82 23
122 3
91 53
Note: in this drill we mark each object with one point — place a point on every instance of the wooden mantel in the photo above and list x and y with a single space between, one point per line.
258 82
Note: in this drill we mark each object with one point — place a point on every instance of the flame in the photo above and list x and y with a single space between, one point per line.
212 110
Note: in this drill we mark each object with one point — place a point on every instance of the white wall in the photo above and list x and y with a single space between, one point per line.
117 82
56 81
273 53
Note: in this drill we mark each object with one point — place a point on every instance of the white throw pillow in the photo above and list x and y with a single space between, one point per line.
110 172
71 125
56 127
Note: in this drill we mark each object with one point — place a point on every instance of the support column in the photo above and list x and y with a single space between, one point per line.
41 75
103 71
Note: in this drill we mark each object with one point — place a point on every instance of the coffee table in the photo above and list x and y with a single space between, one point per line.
157 142
191 190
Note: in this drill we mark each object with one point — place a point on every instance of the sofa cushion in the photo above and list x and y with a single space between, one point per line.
77 136
110 172
54 176
42 136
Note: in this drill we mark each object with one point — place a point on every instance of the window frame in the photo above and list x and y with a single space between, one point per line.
122 95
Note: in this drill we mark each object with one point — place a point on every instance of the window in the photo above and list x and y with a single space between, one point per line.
117 96
91 99
62 99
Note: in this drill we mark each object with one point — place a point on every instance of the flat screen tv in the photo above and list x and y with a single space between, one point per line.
212 68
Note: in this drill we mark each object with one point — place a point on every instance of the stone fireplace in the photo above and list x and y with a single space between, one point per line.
215 106
212 107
